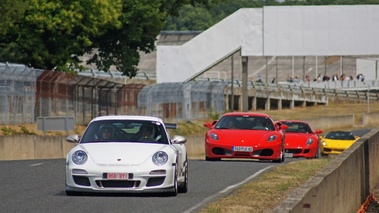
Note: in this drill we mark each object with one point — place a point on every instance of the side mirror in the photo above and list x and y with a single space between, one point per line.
178 139
73 138
319 131
208 124
283 127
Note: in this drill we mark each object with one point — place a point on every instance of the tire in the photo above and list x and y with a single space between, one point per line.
318 152
183 187
175 190
281 159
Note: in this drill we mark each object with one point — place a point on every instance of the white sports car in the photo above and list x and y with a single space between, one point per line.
127 154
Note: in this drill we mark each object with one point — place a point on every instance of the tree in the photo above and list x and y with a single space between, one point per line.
142 21
53 34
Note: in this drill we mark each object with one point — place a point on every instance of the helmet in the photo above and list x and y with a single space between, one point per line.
149 128
106 128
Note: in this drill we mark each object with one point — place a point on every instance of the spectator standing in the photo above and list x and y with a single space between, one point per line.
289 79
360 77
307 78
335 77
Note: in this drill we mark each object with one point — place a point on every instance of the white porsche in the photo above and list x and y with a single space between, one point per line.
127 154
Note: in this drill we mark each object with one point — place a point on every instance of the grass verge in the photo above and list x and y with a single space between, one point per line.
269 189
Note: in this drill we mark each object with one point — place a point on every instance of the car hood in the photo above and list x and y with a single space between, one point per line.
339 143
300 137
121 153
245 137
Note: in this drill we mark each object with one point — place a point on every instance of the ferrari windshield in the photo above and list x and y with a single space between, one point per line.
340 136
245 122
299 127
125 131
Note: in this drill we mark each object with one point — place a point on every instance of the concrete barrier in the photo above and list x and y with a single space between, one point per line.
343 121
26 147
343 185
22 147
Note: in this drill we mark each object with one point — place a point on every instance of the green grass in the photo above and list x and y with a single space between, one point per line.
269 189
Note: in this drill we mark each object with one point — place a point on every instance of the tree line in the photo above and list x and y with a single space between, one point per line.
55 34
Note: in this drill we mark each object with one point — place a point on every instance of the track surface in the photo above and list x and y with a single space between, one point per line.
39 186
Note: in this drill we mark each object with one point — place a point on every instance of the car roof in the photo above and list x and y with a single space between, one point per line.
127 117
245 114
340 131
297 121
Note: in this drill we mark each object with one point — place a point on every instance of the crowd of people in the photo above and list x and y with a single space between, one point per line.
324 78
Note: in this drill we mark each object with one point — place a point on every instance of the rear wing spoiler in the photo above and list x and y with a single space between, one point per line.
171 125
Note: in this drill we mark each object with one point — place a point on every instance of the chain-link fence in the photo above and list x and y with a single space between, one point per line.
192 100
84 97
17 93
27 94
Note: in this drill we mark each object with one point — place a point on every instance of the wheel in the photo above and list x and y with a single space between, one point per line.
175 190
281 159
318 152
183 187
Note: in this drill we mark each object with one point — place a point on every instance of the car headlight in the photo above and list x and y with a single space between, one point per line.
213 135
324 143
309 141
79 157
160 158
272 138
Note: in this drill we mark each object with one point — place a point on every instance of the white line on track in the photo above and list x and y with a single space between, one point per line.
37 164
226 190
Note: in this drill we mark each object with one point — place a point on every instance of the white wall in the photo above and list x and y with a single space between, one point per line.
368 67
321 30
274 31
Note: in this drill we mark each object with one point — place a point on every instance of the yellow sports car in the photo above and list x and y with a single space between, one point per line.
335 142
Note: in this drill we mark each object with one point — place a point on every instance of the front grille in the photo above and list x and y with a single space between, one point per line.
80 180
263 152
218 151
333 150
155 181
293 151
117 183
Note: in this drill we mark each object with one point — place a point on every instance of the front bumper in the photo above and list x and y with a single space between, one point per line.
262 152
151 180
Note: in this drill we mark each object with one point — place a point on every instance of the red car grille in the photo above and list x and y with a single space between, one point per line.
294 151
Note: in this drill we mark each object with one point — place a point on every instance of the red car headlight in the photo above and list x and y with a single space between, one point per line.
272 138
309 141
213 135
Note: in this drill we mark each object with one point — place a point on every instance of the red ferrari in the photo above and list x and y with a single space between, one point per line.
301 140
245 135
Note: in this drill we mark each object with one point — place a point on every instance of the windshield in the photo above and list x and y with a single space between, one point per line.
340 136
125 131
245 122
298 127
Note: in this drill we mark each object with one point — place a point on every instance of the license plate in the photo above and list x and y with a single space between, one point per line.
242 148
117 176
288 155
